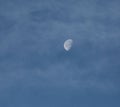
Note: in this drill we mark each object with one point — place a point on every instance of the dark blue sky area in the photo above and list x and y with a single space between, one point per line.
36 71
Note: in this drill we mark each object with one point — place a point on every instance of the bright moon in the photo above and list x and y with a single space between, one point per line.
68 44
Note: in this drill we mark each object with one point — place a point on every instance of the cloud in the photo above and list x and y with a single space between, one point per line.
32 46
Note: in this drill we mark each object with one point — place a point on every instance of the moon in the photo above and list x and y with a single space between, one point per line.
68 44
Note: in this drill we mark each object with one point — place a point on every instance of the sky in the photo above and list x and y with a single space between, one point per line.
36 71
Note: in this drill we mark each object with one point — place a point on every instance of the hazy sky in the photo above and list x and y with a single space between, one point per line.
36 71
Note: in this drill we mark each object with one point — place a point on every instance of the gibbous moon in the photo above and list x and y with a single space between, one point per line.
68 44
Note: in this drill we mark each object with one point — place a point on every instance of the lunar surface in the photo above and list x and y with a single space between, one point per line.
68 44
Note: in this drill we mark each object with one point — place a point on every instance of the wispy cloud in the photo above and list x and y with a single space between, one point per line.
31 48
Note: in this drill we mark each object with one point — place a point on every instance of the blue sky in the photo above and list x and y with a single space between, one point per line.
36 71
